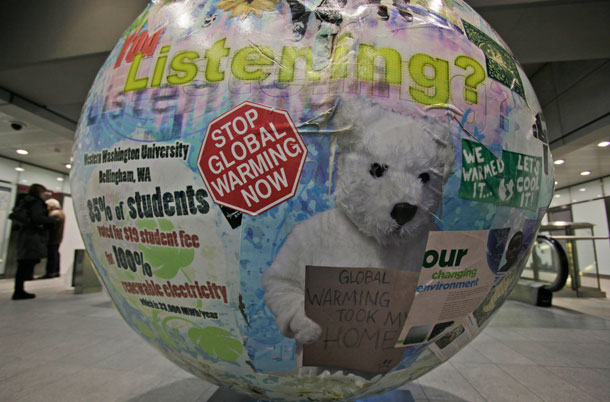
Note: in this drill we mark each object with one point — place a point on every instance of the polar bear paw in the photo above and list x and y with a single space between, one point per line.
305 330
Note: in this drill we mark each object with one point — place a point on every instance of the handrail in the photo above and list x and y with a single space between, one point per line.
571 238
565 237
559 225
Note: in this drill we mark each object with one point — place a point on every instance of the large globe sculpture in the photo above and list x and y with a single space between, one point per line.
310 200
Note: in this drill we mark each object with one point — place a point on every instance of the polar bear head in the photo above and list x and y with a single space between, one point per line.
391 169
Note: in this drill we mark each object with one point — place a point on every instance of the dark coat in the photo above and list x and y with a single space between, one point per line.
32 237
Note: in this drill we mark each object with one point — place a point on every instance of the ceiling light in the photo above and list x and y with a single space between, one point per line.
60 179
20 169
22 152
582 189
69 166
24 181
585 173
559 162
603 144
556 182
557 196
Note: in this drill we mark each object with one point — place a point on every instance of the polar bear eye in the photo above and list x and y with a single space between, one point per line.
378 170
424 177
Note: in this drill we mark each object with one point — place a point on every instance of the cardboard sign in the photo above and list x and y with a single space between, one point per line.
361 312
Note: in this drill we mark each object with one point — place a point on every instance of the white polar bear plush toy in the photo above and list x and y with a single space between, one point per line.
390 174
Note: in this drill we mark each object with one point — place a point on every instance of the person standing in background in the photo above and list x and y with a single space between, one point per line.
34 222
56 233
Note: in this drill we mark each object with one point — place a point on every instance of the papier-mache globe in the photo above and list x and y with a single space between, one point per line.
310 200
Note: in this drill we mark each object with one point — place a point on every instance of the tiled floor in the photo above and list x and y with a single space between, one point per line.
65 347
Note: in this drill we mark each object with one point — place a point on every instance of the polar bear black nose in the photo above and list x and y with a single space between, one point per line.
403 212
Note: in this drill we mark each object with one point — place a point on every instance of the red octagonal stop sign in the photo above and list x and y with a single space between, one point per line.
251 158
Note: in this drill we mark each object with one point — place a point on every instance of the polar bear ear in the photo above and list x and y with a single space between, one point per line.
350 119
441 134
449 160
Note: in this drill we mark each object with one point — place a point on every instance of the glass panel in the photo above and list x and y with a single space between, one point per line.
6 200
606 183
560 214
593 212
33 174
586 191
561 197
7 170
66 188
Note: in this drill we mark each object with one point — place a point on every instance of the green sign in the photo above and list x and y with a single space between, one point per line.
501 65
513 181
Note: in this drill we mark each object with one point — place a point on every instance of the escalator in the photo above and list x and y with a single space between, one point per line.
548 264
546 271
560 250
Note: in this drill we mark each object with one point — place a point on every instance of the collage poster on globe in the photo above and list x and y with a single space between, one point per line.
454 280
309 201
455 339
